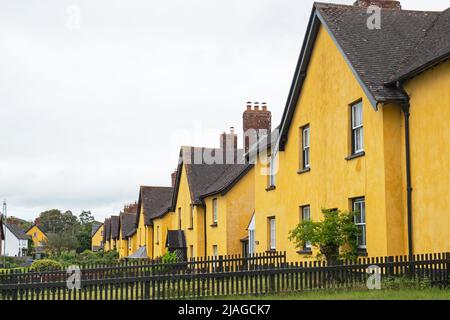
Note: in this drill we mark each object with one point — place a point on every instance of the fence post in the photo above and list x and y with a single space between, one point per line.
447 268
220 263
271 280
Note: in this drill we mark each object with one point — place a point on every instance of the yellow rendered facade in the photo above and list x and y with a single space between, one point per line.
430 158
97 238
234 211
378 176
37 236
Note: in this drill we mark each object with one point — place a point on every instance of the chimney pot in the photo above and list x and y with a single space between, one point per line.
385 4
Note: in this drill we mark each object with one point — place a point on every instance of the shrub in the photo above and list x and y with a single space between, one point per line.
45 265
335 236
169 257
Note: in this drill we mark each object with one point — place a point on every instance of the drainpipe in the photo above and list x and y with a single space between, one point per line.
409 189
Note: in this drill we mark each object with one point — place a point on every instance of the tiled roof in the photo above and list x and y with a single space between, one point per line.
107 231
95 226
155 202
377 54
205 178
434 47
115 227
127 220
17 232
407 43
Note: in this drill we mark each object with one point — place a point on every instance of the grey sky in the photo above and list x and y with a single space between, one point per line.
87 115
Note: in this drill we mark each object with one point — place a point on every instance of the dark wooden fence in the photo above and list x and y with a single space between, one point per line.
138 268
260 279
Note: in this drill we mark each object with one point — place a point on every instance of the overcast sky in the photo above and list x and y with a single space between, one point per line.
90 111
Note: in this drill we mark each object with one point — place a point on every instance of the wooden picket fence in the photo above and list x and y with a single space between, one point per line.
232 280
138 268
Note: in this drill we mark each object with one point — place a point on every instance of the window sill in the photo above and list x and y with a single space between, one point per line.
157 243
190 228
271 251
356 155
270 188
304 170
305 252
213 225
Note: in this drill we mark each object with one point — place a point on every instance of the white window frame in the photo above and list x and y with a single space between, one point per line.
251 242
272 173
215 210
273 230
306 138
306 216
359 203
357 128
215 252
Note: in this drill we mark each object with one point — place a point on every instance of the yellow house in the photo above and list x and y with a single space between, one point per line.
38 237
366 128
126 225
212 202
114 233
107 235
97 237
153 204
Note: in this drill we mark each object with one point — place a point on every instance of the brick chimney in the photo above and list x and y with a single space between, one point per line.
174 177
386 4
255 121
228 145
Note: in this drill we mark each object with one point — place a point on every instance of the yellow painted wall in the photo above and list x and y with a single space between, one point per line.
194 235
37 236
164 223
329 89
430 158
97 238
235 210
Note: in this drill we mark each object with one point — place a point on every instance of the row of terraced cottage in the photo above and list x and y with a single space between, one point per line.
366 127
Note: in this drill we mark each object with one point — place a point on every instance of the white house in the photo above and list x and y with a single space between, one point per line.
16 241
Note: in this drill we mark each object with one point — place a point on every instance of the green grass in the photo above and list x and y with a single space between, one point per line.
406 294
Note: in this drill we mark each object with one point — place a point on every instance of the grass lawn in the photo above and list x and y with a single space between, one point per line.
407 294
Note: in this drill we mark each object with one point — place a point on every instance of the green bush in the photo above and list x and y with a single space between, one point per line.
87 257
45 265
169 257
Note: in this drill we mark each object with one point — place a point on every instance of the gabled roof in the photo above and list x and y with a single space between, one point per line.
127 220
16 231
205 178
155 202
375 56
107 231
115 227
35 225
95 227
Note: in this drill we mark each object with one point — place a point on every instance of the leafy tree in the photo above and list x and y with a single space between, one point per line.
60 242
86 220
336 236
55 221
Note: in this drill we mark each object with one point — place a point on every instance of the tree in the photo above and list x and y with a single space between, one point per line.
60 242
55 221
86 220
336 236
